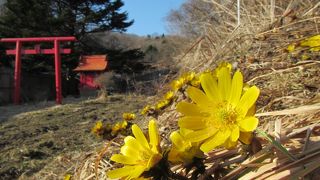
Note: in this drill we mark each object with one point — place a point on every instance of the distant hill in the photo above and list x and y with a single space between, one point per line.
136 63
157 50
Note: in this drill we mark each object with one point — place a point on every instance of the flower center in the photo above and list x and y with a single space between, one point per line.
145 156
229 116
148 158
225 114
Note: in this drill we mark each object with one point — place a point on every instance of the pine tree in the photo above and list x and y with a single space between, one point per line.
24 18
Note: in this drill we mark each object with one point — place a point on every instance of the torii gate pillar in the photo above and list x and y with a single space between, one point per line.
57 64
17 73
18 51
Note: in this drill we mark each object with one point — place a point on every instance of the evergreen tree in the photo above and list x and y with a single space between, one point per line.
23 18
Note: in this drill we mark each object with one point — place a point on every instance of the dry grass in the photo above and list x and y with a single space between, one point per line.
47 141
289 105
257 39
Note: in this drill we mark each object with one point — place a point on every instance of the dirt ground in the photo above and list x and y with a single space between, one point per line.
47 138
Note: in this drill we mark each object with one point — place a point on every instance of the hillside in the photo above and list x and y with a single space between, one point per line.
158 50
139 64
43 137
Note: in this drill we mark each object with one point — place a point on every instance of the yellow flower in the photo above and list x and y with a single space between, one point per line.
178 84
119 126
145 110
183 150
291 47
115 128
128 116
222 65
312 42
222 113
195 82
98 128
160 105
169 95
67 177
189 76
124 124
137 154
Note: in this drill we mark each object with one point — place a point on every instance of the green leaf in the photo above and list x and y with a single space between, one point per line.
276 144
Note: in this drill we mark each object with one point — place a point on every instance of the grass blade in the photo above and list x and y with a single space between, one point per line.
276 144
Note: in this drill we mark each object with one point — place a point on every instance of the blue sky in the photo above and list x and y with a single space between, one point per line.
149 15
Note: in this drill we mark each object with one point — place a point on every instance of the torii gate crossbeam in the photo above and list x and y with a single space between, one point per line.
56 50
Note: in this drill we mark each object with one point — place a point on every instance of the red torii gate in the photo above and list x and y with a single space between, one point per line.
18 51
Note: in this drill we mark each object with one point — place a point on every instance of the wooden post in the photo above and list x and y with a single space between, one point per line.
17 73
57 63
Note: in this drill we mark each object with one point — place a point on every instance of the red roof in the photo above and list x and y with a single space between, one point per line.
92 63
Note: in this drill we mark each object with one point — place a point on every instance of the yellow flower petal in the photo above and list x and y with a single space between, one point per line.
184 131
131 141
197 96
173 155
291 47
188 109
124 124
138 170
235 133
224 83
210 87
251 110
246 137
145 110
197 136
177 84
315 49
230 144
139 136
248 124
153 135
176 139
169 95
128 116
313 41
182 149
218 139
179 142
192 122
130 151
120 172
236 88
119 158
248 99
